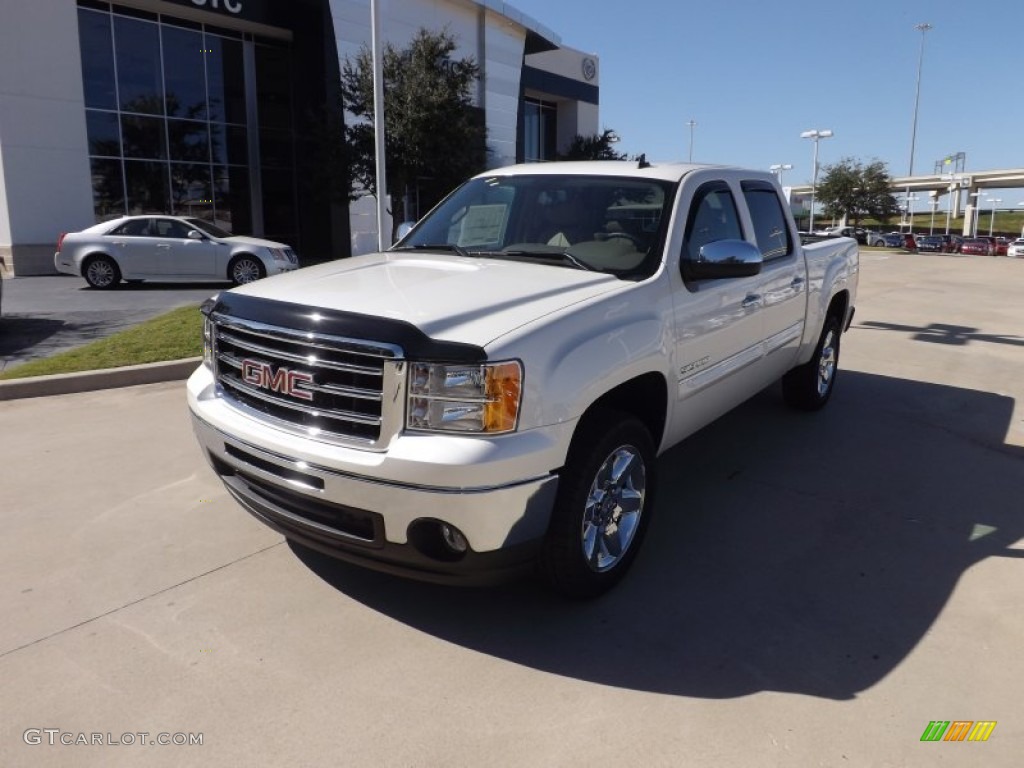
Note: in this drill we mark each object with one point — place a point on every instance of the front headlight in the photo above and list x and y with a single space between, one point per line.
207 309
278 254
481 398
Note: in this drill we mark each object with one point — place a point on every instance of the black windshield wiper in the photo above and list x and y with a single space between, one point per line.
563 256
434 247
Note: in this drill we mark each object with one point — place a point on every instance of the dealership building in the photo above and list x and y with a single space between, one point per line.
212 108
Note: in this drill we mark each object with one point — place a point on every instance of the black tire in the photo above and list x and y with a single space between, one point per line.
101 273
245 269
611 461
809 386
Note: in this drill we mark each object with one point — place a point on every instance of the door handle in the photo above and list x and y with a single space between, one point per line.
752 300
163 245
797 283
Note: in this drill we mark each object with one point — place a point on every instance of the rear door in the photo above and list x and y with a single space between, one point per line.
133 248
783 287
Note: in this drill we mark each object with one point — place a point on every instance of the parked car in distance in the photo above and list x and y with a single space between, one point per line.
976 246
1015 250
931 244
167 248
893 240
1002 243
909 241
874 239
953 243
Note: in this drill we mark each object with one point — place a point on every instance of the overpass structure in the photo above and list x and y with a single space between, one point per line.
964 189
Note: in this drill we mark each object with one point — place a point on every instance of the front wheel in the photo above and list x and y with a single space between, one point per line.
809 386
604 504
245 269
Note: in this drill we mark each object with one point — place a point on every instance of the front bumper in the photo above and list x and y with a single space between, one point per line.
378 522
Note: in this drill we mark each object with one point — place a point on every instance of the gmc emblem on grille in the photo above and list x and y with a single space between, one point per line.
282 380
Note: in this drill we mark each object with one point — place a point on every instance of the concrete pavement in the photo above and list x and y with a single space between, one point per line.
814 591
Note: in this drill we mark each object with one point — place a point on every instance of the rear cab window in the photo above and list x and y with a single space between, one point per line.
771 231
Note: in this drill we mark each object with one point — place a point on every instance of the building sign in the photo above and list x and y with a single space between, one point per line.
250 10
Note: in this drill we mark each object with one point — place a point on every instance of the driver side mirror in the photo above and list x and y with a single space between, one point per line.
405 228
722 259
195 234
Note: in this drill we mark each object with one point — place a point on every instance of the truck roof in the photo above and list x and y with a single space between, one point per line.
626 168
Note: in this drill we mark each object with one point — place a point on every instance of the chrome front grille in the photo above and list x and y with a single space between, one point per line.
321 386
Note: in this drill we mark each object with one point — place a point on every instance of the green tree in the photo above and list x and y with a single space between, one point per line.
434 137
852 189
594 147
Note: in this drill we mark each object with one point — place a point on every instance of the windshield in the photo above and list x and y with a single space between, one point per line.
207 228
600 223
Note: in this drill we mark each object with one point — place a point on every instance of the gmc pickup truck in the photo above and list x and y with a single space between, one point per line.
491 393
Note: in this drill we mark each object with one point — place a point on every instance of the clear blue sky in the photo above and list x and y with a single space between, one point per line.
755 73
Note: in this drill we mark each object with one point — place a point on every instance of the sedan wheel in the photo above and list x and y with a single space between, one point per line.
101 273
246 269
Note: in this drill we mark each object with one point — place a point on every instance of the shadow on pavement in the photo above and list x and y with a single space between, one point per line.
804 553
18 333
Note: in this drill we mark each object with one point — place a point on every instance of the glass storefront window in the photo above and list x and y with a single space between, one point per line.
167 119
147 187
184 73
97 50
102 131
143 136
137 46
107 188
189 140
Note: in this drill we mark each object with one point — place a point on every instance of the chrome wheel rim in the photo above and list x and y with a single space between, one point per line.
246 271
100 273
827 364
613 508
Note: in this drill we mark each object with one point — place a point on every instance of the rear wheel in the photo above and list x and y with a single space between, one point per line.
809 386
101 272
245 269
604 505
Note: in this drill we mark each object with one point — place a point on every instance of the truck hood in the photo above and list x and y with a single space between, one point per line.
470 300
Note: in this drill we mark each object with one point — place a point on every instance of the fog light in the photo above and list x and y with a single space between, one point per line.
453 538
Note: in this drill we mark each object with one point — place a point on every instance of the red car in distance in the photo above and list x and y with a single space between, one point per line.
977 246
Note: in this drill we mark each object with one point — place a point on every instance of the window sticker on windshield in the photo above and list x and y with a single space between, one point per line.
484 224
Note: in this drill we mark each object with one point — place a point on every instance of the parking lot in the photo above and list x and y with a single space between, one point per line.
46 315
815 588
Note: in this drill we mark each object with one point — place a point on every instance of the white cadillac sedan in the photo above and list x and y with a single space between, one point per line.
167 248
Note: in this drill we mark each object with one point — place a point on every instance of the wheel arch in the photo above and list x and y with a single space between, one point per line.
90 256
644 397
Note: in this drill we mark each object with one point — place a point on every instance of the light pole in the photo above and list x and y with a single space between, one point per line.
815 135
934 203
778 168
991 222
693 124
923 29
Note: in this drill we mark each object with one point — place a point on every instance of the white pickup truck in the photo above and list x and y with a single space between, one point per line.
491 393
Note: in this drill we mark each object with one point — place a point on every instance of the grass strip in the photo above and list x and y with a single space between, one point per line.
171 336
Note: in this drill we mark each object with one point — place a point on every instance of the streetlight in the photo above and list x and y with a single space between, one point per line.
923 29
934 203
991 222
693 124
778 168
815 135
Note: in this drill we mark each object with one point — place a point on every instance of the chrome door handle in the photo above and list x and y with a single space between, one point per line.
162 245
752 300
797 282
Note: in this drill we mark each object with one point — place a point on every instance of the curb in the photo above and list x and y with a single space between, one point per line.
88 381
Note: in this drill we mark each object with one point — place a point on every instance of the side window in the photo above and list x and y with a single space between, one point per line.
770 229
171 228
133 228
712 217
